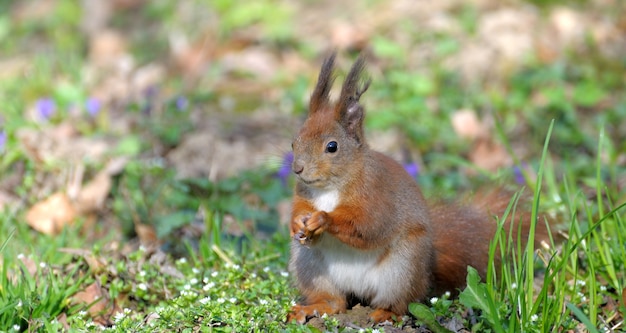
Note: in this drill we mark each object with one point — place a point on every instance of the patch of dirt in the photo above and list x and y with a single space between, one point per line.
225 145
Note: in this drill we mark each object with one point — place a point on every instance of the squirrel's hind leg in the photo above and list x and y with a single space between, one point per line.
317 305
383 315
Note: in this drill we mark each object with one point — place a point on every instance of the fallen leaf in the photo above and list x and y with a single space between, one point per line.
467 125
489 155
107 47
348 36
116 166
30 264
100 308
151 317
62 318
52 214
91 196
146 233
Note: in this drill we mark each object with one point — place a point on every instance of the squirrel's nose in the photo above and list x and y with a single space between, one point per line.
297 167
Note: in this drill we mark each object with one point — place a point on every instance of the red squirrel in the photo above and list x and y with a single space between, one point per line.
360 225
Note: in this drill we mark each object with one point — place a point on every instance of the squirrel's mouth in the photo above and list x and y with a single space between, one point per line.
308 181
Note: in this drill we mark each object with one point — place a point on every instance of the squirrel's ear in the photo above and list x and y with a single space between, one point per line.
320 97
350 113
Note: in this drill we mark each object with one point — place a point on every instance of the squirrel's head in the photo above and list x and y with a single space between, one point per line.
331 139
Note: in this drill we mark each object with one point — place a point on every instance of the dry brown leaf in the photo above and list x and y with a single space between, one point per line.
348 36
96 298
467 125
30 264
151 317
107 47
116 166
52 214
92 196
146 233
489 155
62 318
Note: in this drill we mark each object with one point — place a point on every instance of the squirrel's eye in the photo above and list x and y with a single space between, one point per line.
331 147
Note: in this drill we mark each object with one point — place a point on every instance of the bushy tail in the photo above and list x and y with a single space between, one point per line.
463 231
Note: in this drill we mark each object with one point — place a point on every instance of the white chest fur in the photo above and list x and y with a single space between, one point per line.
326 200
361 272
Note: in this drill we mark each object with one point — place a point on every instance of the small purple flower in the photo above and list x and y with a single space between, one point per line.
519 175
45 107
151 92
412 169
93 106
3 140
182 103
285 170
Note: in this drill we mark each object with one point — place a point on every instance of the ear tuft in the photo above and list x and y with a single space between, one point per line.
321 95
348 110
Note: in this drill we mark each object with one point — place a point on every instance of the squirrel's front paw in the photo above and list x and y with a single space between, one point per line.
308 227
315 226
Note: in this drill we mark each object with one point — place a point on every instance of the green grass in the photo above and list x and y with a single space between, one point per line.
566 115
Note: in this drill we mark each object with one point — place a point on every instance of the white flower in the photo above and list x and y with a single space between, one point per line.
16 327
513 285
187 286
534 318
21 256
284 274
118 316
205 280
253 275
221 300
208 286
42 264
236 267
434 300
193 281
266 269
447 294
142 286
19 304
263 302
581 283
214 274
602 288
195 270
233 300
182 260
205 300
82 313
142 273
